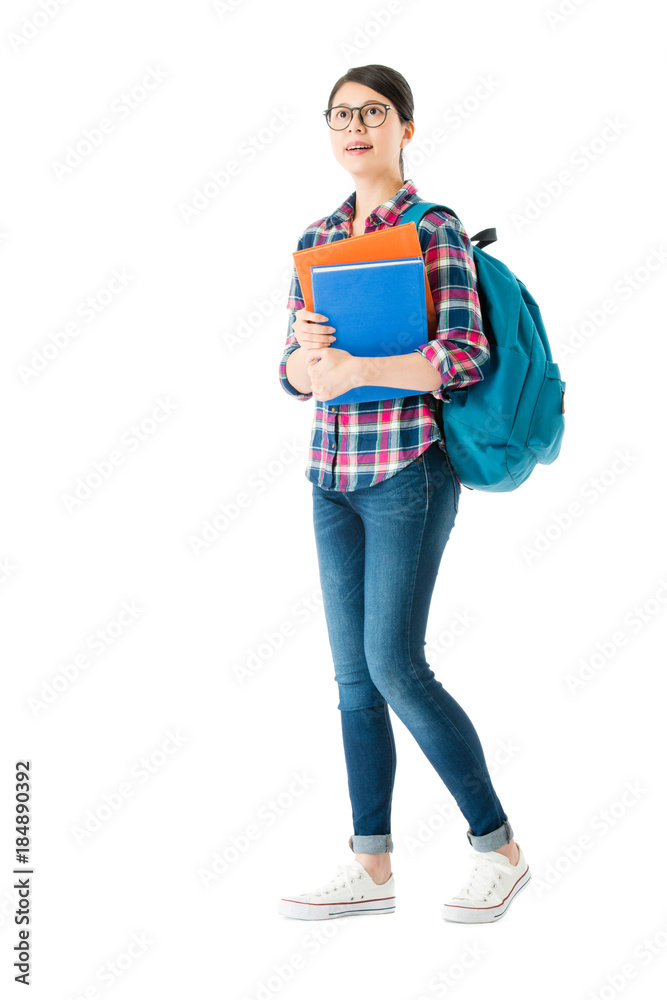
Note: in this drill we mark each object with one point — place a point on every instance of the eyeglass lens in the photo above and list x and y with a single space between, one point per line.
372 115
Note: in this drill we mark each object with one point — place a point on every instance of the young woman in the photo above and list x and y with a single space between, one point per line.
385 497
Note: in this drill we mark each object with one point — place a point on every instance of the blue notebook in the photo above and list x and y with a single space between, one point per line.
378 309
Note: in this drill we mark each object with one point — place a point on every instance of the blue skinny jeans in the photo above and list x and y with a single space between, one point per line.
379 549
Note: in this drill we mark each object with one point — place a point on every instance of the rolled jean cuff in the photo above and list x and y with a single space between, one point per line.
379 843
490 841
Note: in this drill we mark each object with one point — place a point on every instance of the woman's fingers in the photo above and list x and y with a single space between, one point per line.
311 319
308 338
306 314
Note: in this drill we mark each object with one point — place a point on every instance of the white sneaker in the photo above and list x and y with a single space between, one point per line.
492 886
351 891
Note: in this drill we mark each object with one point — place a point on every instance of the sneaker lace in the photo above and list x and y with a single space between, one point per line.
346 874
483 879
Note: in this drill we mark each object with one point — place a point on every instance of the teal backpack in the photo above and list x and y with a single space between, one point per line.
497 429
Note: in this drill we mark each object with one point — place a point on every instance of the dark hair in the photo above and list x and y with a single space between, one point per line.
388 82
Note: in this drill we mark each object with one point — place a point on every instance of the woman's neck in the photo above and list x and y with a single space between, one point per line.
370 194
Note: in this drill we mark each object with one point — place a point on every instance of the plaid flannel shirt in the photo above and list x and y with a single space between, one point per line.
356 445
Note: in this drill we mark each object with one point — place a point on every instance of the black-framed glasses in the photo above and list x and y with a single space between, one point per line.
371 115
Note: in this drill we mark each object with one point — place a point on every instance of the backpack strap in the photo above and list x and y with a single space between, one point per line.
484 237
416 212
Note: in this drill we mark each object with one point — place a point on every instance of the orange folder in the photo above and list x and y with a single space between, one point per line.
391 243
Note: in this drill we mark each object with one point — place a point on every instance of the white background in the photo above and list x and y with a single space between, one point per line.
226 647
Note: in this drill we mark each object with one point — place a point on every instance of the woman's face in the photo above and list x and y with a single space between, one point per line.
385 140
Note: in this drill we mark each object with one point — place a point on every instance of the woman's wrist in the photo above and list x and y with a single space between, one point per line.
297 371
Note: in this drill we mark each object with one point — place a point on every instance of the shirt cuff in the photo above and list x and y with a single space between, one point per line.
438 355
284 381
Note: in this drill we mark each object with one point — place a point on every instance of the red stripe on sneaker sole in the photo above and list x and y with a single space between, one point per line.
457 906
381 899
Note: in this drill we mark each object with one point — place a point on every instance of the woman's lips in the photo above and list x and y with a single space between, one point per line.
358 152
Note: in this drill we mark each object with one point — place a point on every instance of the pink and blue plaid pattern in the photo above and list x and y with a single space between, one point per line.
359 444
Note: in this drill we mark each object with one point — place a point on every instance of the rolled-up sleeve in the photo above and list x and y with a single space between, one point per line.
460 348
294 301
291 344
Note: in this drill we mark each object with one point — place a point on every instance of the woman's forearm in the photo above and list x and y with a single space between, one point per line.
402 371
297 372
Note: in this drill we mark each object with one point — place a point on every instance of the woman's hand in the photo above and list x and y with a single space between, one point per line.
310 331
331 370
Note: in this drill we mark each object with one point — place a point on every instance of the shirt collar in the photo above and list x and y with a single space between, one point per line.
387 213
